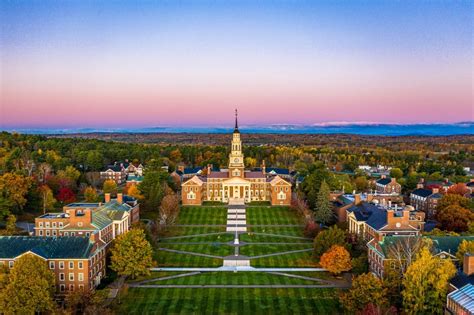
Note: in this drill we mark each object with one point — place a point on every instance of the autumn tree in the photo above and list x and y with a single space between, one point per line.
458 189
86 302
327 238
361 183
11 224
323 212
336 260
47 198
30 288
134 192
66 195
463 248
396 173
366 289
453 199
131 254
425 284
13 189
90 194
454 218
109 187
169 210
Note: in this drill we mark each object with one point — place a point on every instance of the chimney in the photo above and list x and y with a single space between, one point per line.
422 180
357 199
107 197
209 169
181 168
120 198
468 264
435 190
390 203
419 185
382 176
263 167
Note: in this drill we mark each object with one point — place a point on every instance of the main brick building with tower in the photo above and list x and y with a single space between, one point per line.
236 184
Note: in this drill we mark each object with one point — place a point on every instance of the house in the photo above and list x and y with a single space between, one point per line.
236 184
185 173
379 249
425 199
133 180
104 222
369 219
387 185
461 299
132 169
77 262
114 172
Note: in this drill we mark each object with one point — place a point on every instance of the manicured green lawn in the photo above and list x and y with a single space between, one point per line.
167 259
202 215
236 278
251 237
278 230
215 249
229 301
257 250
271 215
303 259
191 230
221 237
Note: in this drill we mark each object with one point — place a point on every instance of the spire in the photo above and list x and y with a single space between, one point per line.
236 128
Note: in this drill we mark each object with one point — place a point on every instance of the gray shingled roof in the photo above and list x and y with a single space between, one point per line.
422 192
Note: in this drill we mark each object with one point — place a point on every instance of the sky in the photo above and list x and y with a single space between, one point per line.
172 63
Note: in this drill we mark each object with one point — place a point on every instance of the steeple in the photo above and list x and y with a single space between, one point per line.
236 128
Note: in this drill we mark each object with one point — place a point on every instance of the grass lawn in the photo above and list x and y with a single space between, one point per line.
221 237
257 250
202 215
237 278
290 231
167 259
257 238
303 259
271 215
191 231
229 301
215 249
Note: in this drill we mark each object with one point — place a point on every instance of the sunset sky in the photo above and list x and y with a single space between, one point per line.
147 63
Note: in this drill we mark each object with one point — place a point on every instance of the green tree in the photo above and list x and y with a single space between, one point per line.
109 187
327 238
90 194
366 289
396 173
323 212
465 247
30 287
131 254
426 284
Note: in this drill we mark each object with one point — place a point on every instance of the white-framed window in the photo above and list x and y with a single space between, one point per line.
73 233
40 232
47 232
60 224
191 195
41 224
281 195
62 287
61 276
71 276
51 265
10 264
80 265
66 233
54 232
53 224
47 224
71 265
80 276
61 265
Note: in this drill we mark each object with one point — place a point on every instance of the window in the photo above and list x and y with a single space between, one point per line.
10 264
61 277
66 233
51 265
62 287
79 223
81 287
71 265
80 264
41 224
40 233
54 224
71 287
47 224
60 224
54 232
47 233
71 276
73 233
80 276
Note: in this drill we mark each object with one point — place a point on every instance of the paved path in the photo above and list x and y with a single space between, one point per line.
243 269
236 219
282 235
189 253
169 277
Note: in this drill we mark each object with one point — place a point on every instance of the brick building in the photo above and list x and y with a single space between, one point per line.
236 184
77 262
387 185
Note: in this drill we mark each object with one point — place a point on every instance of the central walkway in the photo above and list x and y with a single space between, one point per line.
237 223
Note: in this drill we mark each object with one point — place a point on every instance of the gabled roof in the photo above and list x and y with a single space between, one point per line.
100 219
46 247
375 216
384 181
277 179
422 192
115 168
194 180
448 244
278 171
192 170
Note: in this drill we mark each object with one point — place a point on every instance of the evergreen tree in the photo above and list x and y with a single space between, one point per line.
323 212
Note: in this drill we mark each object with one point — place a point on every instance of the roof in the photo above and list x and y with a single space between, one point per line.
254 175
47 247
218 175
279 171
195 179
115 168
448 244
464 297
422 192
134 178
384 181
83 205
275 180
374 215
192 170
100 219
461 279
470 184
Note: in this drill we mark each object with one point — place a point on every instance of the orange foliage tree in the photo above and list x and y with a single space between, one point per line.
336 260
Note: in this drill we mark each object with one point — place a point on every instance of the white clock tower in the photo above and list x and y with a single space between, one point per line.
236 158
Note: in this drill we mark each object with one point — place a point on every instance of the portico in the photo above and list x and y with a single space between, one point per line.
236 188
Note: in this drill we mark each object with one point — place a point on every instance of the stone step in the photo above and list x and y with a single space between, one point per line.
236 229
236 216
236 263
242 222
236 211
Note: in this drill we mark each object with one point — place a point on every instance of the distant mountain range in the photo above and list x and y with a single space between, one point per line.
358 128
